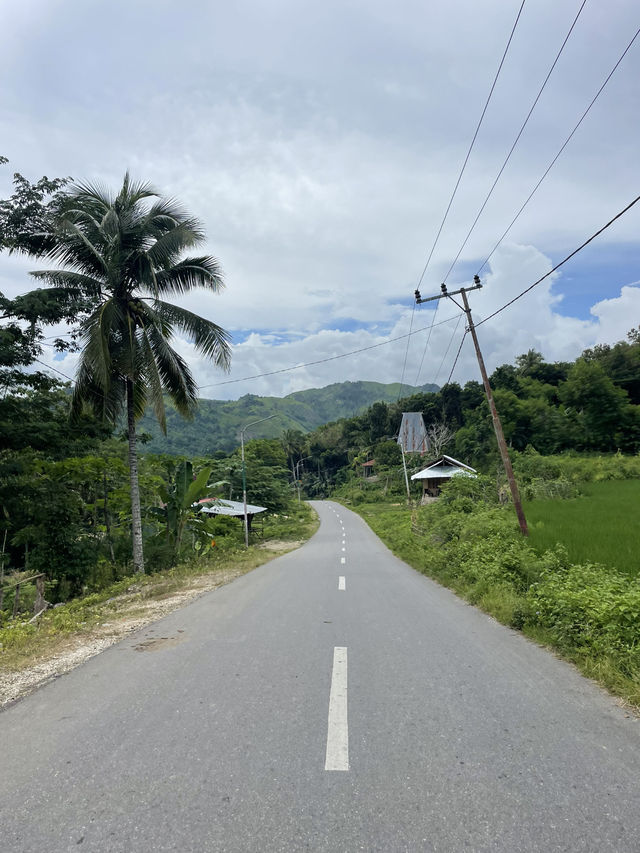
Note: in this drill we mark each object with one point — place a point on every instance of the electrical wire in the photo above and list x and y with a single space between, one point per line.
406 352
426 344
453 195
457 356
564 145
515 142
55 370
324 360
563 261
466 159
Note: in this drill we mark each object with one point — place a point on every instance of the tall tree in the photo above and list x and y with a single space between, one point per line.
126 252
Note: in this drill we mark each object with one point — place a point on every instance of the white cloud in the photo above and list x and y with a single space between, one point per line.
320 147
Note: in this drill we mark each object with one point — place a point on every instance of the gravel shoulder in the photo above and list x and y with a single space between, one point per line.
131 614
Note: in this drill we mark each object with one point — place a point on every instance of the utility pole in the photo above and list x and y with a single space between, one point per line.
497 425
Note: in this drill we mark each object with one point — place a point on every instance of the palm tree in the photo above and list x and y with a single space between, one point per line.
125 252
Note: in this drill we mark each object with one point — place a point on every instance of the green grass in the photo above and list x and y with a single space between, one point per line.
601 526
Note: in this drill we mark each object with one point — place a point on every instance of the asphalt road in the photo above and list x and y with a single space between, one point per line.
295 711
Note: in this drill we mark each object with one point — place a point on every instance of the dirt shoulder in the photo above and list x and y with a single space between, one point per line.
126 613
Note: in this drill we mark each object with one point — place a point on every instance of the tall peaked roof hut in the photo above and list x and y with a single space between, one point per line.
413 433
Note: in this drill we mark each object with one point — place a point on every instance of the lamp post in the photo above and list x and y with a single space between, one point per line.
244 476
298 463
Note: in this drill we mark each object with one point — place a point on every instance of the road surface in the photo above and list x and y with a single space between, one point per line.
331 700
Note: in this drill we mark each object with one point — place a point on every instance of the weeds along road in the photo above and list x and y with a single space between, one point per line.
331 700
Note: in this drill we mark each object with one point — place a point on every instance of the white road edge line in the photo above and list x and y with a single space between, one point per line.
342 583
337 757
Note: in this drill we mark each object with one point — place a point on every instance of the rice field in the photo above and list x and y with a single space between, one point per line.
600 526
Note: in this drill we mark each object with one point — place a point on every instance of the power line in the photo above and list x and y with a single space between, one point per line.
451 199
426 344
564 145
406 352
55 370
515 142
563 261
466 159
324 360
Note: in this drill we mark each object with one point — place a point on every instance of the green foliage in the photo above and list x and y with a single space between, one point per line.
591 607
465 540
181 513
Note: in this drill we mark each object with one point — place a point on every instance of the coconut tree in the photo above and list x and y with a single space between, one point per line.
126 252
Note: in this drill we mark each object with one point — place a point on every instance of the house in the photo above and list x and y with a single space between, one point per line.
443 469
234 509
412 436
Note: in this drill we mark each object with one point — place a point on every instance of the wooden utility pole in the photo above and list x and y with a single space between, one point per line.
497 425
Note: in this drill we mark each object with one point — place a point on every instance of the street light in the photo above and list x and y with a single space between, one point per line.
298 463
244 477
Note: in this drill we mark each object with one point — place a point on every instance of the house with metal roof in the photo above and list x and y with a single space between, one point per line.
234 509
439 472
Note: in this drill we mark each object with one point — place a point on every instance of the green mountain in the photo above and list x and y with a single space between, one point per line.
217 423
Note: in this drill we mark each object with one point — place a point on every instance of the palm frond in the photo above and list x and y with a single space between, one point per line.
153 381
67 281
167 249
209 338
177 379
189 274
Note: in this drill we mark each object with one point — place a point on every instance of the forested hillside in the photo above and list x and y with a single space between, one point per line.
591 405
217 423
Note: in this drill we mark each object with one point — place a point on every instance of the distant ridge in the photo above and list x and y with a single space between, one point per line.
217 423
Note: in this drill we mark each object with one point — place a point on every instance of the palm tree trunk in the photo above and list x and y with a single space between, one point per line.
136 517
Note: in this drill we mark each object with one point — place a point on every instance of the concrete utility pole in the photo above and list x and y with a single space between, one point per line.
497 425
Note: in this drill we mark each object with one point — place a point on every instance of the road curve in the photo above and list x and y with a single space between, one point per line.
331 700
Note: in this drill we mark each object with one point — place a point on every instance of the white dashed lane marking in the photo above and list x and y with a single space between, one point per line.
342 583
337 756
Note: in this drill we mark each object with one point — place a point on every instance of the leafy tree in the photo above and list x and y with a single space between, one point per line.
125 252
601 406
178 512
527 363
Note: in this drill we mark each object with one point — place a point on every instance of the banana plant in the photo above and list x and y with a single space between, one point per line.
180 510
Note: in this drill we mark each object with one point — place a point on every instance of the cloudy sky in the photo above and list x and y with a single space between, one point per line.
320 144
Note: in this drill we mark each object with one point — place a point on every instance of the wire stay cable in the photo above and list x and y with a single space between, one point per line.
473 141
564 145
515 142
446 352
457 356
563 261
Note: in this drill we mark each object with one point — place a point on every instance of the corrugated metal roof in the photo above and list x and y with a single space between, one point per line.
442 472
413 434
230 507
444 468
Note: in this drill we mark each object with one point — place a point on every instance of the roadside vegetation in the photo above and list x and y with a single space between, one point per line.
141 598
589 611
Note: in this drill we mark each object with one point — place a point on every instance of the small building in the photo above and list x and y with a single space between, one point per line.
439 472
368 469
234 509
412 436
